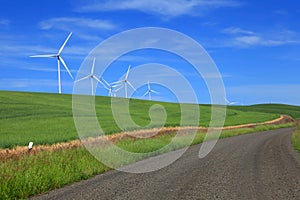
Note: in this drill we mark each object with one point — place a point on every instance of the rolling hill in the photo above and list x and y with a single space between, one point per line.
46 118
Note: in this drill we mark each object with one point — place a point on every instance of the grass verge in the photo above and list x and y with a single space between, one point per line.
35 174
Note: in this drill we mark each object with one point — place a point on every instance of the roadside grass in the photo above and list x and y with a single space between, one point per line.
45 118
35 174
296 137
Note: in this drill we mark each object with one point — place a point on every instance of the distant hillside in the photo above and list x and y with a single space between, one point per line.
293 111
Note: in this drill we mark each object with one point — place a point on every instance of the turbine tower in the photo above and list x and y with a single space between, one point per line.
125 82
149 91
92 77
59 60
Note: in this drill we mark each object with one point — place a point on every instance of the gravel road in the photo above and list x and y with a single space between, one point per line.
254 166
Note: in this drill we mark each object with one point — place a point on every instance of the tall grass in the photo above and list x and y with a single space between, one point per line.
35 174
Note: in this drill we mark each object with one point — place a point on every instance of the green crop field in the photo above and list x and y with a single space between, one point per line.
47 118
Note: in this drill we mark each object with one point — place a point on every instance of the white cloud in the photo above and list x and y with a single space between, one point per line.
238 37
248 40
47 69
4 22
85 28
29 84
237 30
168 8
65 23
26 83
16 48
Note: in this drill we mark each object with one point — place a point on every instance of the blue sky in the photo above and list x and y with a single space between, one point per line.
255 44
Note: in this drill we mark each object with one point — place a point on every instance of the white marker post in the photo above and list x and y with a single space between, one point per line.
30 145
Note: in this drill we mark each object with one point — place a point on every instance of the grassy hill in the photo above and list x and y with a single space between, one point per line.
293 111
47 118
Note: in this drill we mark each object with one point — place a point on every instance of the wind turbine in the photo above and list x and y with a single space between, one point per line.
92 77
126 82
59 60
149 91
116 90
230 102
111 88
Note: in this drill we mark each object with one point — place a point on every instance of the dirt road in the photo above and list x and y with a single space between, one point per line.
254 166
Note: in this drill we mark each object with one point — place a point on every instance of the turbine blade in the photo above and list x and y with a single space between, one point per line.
63 62
44 56
228 102
107 84
106 88
131 85
149 86
116 85
64 44
145 94
116 90
97 79
127 73
154 91
121 81
81 79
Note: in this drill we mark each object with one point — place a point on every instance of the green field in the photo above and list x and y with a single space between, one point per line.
47 118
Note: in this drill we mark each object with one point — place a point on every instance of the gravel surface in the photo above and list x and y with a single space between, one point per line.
254 166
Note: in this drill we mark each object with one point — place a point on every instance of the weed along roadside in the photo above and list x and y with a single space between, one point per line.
43 169
296 136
